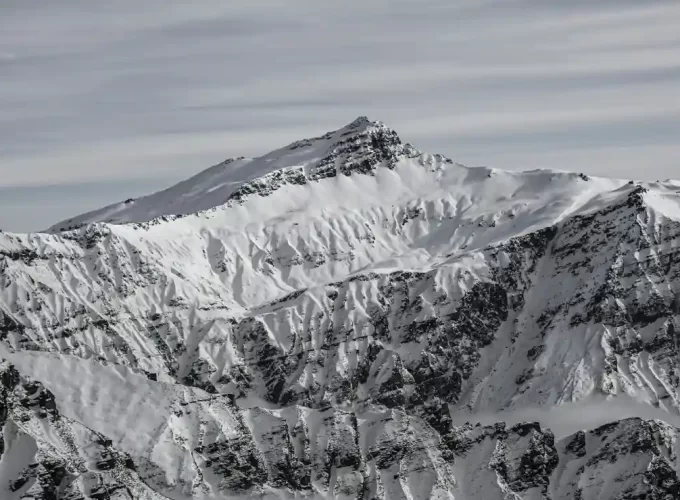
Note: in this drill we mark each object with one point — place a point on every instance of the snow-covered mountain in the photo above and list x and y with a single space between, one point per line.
348 317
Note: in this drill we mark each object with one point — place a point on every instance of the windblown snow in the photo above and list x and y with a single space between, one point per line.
348 317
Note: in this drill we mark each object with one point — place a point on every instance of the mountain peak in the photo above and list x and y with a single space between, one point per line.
359 122
362 123
361 126
360 147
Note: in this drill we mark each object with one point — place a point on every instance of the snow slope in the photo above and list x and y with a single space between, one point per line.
322 321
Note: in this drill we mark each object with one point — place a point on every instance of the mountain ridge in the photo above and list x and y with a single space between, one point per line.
298 162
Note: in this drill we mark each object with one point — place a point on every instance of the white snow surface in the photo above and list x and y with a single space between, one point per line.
225 321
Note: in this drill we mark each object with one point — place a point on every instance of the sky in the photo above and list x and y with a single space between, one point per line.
102 101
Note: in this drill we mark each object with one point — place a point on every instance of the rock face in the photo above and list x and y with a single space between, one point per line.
339 319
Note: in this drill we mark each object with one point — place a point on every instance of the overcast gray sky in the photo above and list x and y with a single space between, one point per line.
101 101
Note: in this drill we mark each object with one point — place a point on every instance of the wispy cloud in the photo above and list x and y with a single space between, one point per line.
158 90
